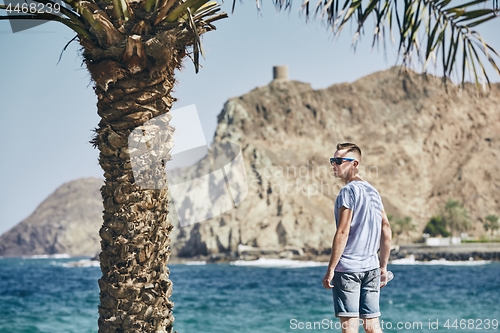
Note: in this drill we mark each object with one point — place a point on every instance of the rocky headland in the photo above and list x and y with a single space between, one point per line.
66 222
422 145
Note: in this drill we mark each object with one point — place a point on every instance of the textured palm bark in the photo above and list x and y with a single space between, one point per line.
135 286
132 64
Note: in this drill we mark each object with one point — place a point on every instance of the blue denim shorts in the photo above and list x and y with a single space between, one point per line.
357 294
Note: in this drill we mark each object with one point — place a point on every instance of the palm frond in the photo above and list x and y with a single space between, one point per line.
74 17
426 28
48 17
122 10
163 10
197 48
100 24
87 19
207 9
178 11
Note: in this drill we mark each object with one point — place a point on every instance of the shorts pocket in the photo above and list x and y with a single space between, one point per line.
348 283
373 279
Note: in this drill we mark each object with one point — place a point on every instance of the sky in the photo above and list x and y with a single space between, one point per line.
48 109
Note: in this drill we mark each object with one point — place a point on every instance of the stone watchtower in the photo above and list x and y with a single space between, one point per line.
280 73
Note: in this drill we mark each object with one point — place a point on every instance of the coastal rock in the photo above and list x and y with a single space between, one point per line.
459 252
421 147
67 221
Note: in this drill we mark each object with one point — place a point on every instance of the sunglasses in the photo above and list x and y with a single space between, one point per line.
340 160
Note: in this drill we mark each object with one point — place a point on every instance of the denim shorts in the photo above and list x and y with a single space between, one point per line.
357 294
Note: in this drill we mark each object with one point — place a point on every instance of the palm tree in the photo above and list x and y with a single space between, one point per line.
456 217
131 49
436 227
491 223
402 225
406 226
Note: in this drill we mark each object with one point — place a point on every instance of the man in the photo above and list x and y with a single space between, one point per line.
362 229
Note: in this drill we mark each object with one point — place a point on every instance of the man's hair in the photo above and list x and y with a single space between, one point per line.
350 147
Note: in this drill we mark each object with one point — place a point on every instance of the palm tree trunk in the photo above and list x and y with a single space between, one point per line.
135 286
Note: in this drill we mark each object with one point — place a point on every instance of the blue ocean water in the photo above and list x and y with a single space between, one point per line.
42 295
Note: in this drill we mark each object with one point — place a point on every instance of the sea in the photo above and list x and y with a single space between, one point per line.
60 294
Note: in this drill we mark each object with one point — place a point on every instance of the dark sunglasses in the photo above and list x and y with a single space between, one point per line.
340 160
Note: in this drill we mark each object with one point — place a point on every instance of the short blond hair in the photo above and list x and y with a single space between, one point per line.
350 147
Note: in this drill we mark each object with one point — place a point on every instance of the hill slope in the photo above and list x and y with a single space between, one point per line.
67 221
421 146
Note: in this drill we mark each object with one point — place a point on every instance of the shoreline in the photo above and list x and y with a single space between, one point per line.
457 252
419 252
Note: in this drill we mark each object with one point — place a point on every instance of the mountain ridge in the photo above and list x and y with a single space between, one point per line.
67 221
421 146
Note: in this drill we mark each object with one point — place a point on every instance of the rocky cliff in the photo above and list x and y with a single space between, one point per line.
421 146
67 221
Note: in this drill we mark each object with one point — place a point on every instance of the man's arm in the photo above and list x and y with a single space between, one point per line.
339 243
385 243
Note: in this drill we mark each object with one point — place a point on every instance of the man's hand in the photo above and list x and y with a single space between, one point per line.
326 280
383 270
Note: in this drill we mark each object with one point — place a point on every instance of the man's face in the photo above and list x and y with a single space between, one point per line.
340 171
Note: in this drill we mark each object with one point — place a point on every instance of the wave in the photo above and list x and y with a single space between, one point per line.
48 256
281 263
195 263
82 263
411 261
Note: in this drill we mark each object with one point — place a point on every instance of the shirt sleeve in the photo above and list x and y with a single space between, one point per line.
346 198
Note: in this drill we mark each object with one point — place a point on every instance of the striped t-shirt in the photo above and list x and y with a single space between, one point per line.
360 253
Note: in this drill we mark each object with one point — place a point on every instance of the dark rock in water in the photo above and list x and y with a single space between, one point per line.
459 252
67 221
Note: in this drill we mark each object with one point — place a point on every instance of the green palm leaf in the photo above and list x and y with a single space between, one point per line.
436 26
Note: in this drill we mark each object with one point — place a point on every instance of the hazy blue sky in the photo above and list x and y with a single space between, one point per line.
48 109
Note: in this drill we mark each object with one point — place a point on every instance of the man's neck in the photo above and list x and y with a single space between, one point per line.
351 178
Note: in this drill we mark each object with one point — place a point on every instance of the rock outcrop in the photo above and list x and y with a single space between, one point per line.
421 146
68 221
